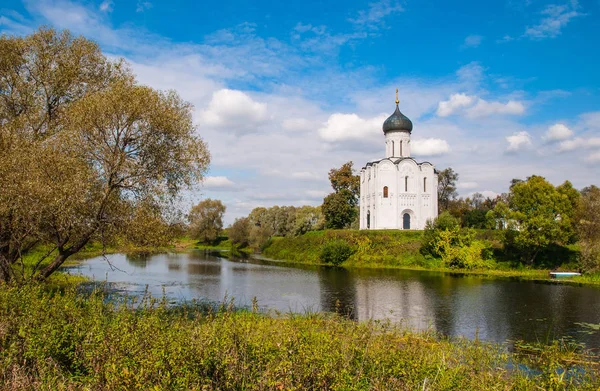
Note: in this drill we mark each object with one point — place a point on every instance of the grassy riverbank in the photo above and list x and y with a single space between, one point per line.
400 249
64 340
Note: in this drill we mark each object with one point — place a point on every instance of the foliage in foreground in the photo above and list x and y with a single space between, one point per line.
66 341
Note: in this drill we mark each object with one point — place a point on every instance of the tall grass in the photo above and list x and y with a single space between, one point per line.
59 339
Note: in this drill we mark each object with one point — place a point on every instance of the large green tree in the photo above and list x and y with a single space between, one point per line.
540 215
447 179
206 220
239 232
83 147
340 208
588 228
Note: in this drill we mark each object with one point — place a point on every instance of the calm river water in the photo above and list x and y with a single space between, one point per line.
492 309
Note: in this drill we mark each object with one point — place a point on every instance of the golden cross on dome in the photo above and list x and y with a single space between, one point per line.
397 101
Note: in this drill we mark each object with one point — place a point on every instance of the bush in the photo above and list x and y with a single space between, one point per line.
335 252
443 222
589 259
446 221
455 246
466 257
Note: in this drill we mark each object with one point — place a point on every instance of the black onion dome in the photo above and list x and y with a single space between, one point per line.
397 121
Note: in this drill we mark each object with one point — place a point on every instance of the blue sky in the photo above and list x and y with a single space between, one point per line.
284 91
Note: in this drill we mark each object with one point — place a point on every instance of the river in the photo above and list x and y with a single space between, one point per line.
493 309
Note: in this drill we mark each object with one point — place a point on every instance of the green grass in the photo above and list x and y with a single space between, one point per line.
400 250
61 340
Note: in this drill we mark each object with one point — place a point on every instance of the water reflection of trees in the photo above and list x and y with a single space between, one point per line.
493 309
338 291
138 260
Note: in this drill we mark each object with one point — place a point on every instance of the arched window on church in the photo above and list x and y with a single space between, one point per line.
393 146
406 183
385 192
401 148
425 185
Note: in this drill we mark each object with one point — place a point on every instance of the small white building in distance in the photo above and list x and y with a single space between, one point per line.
397 192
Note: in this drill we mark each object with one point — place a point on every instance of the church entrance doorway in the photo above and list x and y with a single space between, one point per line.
406 221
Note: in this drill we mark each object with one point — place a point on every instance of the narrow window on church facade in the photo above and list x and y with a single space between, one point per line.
393 146
385 192
424 185
406 183
400 148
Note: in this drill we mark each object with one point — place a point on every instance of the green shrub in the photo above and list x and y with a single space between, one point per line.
465 257
443 222
457 247
335 252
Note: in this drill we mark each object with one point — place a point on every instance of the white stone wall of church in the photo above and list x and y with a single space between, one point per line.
387 213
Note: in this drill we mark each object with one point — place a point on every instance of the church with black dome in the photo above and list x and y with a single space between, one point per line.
397 192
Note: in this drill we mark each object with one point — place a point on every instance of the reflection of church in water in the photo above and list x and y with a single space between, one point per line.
397 192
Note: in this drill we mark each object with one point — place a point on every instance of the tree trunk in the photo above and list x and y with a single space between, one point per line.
5 269
60 259
534 256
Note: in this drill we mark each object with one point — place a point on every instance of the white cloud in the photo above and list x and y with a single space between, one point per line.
472 41
218 182
14 24
472 73
429 147
467 185
143 6
455 103
235 110
107 6
558 132
518 141
297 124
475 107
591 120
506 38
484 108
316 194
593 157
579 143
307 175
555 17
374 16
341 127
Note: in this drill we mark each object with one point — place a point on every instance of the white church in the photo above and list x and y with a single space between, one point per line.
397 192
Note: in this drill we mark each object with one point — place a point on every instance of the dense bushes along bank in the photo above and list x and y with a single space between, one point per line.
68 341
386 248
403 249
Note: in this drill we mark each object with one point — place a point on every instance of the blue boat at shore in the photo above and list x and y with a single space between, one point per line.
563 274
